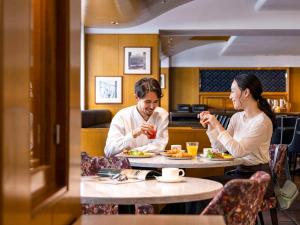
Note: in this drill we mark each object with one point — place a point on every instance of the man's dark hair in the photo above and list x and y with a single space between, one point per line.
146 85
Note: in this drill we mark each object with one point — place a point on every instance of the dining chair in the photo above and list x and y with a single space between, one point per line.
288 127
276 166
239 200
276 136
226 123
90 166
294 148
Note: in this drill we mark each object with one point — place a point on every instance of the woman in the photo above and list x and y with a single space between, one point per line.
134 127
249 133
248 136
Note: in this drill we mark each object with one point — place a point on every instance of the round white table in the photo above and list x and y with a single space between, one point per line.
147 192
160 161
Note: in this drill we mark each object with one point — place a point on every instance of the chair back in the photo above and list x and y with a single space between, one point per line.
91 165
294 146
288 127
240 199
276 136
277 164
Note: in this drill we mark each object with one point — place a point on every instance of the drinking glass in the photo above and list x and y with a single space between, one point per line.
192 148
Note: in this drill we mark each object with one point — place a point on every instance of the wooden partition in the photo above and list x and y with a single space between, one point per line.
93 139
104 56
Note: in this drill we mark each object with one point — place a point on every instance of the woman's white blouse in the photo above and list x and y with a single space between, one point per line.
249 139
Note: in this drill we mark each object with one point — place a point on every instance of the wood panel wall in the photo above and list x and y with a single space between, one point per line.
184 88
105 57
164 103
294 82
93 139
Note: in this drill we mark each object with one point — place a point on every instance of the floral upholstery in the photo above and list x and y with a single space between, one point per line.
90 166
239 200
271 202
104 209
280 161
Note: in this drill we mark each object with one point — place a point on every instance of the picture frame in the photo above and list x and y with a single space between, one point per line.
162 81
137 60
108 89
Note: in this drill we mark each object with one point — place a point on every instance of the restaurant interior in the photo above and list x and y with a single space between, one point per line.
68 66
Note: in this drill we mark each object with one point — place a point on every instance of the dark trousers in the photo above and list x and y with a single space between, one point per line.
241 172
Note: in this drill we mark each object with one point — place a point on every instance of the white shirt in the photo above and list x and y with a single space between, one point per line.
246 138
128 119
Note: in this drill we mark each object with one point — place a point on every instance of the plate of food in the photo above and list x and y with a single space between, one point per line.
218 156
180 156
170 152
137 154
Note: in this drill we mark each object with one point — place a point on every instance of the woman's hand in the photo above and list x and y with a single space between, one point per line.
202 117
212 122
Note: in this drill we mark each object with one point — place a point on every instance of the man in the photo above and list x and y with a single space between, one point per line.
144 126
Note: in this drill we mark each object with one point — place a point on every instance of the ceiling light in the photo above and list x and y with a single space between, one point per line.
114 22
164 1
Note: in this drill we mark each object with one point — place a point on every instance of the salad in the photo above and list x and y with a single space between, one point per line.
218 155
134 153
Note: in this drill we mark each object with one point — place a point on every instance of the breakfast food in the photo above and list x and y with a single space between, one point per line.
181 155
173 151
134 153
218 155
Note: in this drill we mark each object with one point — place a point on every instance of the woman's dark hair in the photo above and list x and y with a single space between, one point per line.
251 82
146 85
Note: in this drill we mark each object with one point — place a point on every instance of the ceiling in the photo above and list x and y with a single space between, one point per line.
105 14
124 13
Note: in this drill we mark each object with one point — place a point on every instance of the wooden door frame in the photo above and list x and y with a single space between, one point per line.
15 196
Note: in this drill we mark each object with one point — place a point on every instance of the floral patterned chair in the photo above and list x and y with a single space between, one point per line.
276 166
239 200
89 167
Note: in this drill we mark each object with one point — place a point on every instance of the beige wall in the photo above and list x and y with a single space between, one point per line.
105 57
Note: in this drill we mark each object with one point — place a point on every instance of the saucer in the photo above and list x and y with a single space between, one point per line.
169 180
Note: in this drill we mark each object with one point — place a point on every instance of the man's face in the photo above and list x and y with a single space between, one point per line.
148 104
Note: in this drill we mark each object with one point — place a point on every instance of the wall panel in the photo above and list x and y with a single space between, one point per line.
294 83
105 57
184 85
164 103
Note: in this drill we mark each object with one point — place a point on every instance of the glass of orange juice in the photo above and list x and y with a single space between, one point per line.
192 148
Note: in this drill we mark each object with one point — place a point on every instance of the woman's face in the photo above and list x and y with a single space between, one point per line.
236 96
148 104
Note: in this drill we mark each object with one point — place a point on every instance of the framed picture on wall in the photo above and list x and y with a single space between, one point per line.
108 90
137 60
162 81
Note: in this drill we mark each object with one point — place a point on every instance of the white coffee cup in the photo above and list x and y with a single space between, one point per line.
172 173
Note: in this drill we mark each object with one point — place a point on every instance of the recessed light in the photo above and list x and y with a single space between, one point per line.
114 22
164 1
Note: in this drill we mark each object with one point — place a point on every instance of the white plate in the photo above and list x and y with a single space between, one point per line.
170 180
219 159
179 158
147 155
